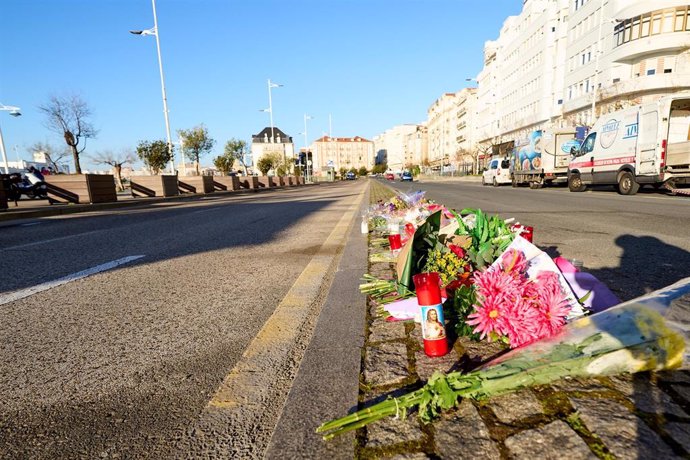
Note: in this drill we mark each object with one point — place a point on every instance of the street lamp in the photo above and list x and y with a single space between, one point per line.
270 107
154 31
15 112
306 145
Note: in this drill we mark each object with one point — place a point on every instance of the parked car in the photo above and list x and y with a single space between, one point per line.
390 176
350 176
406 176
497 172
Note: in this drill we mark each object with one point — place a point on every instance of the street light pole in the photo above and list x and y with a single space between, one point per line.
306 146
270 107
15 112
154 32
596 64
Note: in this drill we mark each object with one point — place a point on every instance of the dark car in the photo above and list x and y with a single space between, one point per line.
390 176
350 176
406 176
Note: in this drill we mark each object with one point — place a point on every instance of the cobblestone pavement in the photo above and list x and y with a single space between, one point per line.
628 416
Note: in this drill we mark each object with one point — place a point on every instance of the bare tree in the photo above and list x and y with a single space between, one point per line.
52 154
116 160
68 116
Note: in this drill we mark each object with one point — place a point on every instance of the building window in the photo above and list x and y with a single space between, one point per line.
651 71
655 22
668 70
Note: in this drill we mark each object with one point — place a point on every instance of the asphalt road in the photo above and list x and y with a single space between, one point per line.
123 363
634 244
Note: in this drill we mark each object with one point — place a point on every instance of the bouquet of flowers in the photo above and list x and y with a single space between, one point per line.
648 333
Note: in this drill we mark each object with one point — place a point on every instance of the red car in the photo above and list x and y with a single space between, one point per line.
390 176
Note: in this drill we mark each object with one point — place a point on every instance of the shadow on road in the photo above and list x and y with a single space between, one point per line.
170 230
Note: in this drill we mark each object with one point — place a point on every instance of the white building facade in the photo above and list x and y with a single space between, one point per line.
399 147
624 52
272 141
521 85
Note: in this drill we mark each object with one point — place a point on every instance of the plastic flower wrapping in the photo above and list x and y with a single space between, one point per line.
649 333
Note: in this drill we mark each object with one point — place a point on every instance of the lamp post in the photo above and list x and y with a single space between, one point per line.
154 31
271 85
306 146
596 63
15 112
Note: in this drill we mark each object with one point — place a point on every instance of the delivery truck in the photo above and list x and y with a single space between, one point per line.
542 157
639 145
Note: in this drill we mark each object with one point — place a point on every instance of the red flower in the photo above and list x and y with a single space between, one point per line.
457 250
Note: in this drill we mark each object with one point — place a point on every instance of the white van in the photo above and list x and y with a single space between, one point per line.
644 144
497 172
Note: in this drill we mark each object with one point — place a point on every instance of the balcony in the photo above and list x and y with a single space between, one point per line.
652 45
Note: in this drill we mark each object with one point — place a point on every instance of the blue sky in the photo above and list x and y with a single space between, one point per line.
370 64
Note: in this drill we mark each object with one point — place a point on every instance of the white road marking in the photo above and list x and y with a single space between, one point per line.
31 223
16 295
52 240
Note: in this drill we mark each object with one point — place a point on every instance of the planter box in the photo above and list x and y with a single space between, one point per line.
165 185
81 188
266 181
300 180
195 184
4 185
249 182
280 181
226 182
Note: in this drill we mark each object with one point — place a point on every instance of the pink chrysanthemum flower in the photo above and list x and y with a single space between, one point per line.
511 305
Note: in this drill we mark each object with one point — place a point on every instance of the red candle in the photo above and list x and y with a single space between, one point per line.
395 242
525 231
427 286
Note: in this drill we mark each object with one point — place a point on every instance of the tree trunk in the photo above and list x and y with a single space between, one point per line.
118 177
75 154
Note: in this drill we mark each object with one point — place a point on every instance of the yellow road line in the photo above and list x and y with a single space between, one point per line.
262 361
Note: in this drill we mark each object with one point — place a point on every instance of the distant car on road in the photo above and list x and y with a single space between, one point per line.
406 176
390 176
350 176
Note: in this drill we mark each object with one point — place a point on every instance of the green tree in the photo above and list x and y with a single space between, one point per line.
342 172
380 168
237 149
265 164
224 163
362 171
155 155
195 143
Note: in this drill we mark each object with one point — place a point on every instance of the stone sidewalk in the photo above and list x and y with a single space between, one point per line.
629 416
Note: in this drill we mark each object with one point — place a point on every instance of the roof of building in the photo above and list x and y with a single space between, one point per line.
266 132
342 139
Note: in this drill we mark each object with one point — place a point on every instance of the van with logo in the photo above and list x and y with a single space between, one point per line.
542 157
636 146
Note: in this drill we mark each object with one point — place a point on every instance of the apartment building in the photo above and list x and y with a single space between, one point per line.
271 140
399 147
342 152
466 116
521 85
415 147
624 52
442 130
